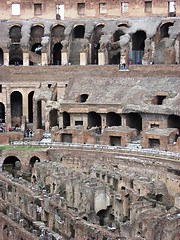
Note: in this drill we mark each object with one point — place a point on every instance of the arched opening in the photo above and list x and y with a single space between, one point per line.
11 164
57 53
30 106
15 34
2 113
15 55
82 98
114 52
33 160
174 121
164 30
134 120
53 118
1 57
57 35
94 120
113 119
79 31
66 119
16 108
105 217
138 45
41 114
95 43
37 32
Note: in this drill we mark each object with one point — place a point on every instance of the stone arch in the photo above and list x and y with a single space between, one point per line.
41 114
11 163
164 30
114 52
94 119
53 118
36 35
1 57
79 31
30 107
15 34
57 36
174 121
134 120
96 36
138 45
16 108
33 160
66 119
113 119
2 113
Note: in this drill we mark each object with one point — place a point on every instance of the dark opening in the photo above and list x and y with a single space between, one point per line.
33 160
53 117
174 121
83 97
94 119
113 119
78 123
115 141
159 197
57 54
2 113
154 143
158 100
79 31
66 119
30 106
66 137
95 43
16 108
164 30
1 57
134 120
10 164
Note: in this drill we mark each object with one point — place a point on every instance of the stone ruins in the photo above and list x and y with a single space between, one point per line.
90 120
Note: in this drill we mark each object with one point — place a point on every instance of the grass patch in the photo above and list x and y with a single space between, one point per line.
20 148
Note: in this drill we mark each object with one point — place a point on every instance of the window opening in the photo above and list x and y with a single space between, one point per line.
148 6
171 8
37 8
15 9
124 7
0 88
81 8
60 12
158 100
102 8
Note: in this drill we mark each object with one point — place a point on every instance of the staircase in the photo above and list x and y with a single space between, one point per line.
74 58
34 57
134 145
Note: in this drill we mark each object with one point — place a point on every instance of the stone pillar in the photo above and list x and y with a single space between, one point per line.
147 52
25 58
123 120
60 120
44 58
64 57
103 121
83 58
177 49
101 57
23 123
6 58
8 107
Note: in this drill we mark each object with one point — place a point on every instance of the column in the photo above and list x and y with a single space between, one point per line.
44 59
25 58
64 57
6 58
101 57
8 107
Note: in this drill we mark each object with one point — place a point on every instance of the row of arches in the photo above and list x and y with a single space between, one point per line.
58 34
